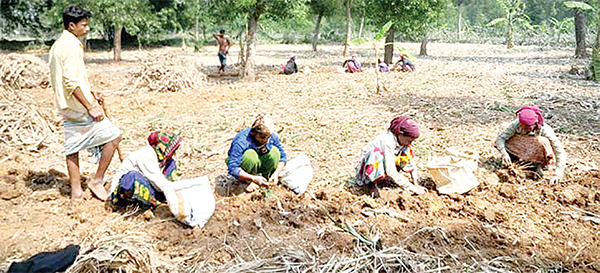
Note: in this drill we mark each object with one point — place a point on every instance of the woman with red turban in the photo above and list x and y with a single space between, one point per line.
529 139
390 155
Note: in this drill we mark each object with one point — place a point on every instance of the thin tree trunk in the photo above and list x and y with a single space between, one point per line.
317 29
348 27
509 35
389 46
580 51
248 69
362 24
597 45
423 51
459 26
117 43
196 21
241 59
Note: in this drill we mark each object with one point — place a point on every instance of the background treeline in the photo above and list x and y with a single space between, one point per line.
142 23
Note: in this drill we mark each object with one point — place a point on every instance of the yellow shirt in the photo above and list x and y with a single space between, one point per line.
67 72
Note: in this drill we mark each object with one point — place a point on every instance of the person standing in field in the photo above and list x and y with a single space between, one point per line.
86 126
256 155
528 139
390 157
224 45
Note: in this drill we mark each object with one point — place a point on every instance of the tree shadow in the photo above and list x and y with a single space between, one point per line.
51 179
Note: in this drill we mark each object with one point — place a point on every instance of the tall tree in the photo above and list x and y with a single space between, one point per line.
348 9
412 18
254 9
578 9
138 17
23 17
513 12
321 9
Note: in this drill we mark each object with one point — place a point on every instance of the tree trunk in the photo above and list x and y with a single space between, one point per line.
389 46
596 50
362 24
509 35
423 51
117 43
348 27
196 21
241 59
580 51
248 69
459 25
317 29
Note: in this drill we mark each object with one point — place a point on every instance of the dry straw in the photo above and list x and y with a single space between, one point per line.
162 72
23 71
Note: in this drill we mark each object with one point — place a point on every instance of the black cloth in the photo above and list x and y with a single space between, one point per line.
56 261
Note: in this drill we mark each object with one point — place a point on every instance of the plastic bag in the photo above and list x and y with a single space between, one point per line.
191 200
297 173
454 173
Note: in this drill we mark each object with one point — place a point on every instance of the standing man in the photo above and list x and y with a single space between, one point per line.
86 126
224 45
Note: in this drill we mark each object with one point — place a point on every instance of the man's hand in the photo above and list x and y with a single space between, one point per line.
506 159
98 97
259 180
274 179
96 114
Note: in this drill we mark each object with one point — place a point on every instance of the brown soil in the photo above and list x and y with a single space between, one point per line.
462 96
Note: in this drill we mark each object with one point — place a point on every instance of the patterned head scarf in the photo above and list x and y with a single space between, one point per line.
530 115
165 143
403 125
263 124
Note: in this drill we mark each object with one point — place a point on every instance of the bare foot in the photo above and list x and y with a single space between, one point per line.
76 195
97 188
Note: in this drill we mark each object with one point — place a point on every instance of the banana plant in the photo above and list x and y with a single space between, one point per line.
514 12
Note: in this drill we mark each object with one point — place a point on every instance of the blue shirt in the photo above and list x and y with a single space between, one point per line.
244 141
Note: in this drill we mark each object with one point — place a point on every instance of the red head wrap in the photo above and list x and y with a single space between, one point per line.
530 115
403 125
165 143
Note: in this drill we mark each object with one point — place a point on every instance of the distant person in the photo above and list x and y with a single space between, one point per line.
290 66
390 157
256 155
404 64
528 139
146 173
352 65
86 126
224 45
382 66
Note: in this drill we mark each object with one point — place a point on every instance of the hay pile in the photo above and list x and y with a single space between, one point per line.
23 124
165 73
129 252
23 71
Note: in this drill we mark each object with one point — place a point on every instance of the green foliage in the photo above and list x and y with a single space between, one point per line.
577 5
383 31
19 17
413 18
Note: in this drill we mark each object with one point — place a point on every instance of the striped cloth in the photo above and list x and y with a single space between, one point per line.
81 132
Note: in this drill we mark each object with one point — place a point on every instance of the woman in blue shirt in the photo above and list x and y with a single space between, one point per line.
256 154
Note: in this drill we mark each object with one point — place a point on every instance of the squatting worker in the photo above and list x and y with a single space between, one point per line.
256 155
529 139
224 45
86 126
390 156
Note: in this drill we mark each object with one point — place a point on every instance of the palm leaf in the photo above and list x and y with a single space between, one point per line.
577 5
495 22
383 31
